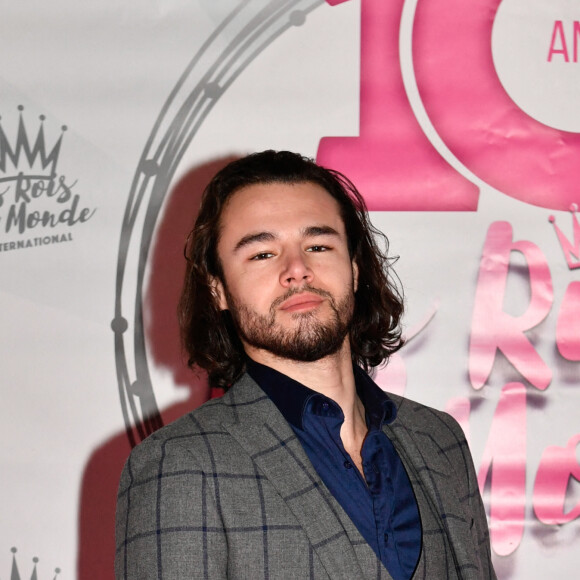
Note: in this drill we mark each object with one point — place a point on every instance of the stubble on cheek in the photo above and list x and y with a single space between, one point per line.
309 340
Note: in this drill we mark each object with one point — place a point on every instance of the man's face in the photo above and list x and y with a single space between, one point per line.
289 281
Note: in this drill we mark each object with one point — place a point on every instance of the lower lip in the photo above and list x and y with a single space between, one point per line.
302 306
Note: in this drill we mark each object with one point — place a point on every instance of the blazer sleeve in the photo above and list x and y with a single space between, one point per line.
167 524
479 528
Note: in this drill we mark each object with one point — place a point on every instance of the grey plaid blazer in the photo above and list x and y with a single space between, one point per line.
228 492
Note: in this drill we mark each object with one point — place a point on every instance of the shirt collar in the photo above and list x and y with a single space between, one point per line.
292 397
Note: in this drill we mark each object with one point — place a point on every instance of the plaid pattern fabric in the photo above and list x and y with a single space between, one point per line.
228 492
435 453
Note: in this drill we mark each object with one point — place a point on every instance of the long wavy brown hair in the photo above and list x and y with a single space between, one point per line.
207 333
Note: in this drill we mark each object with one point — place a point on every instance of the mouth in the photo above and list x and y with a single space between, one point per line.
300 302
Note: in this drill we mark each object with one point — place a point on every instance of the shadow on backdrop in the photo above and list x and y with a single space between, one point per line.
96 542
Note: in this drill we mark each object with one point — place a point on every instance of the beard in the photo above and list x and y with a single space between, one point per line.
310 340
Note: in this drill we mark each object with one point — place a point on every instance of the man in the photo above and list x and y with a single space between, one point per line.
304 468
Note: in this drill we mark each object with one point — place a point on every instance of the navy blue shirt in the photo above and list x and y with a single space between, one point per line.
382 505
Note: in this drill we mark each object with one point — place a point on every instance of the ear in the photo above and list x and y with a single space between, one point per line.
355 275
217 288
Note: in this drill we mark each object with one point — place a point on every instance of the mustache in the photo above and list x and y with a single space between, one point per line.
294 291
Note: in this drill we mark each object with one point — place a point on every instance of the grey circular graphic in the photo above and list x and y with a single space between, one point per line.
249 28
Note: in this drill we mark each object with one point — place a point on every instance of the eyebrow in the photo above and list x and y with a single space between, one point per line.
313 231
308 232
254 238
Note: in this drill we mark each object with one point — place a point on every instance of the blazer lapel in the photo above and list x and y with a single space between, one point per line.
266 436
427 464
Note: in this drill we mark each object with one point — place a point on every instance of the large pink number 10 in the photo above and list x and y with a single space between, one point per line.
394 164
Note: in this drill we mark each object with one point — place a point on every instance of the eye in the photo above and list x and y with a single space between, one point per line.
318 249
262 256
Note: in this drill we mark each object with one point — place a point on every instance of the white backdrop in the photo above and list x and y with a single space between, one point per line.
155 96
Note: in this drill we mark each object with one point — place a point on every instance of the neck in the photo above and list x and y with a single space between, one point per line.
332 376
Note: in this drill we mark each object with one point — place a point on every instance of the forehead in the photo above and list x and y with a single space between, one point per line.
279 206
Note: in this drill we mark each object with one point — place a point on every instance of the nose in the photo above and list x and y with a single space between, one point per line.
296 270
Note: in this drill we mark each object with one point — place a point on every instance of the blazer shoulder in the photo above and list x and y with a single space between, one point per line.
193 437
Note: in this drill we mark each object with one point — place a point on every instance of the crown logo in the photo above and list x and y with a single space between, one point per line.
26 156
15 575
571 249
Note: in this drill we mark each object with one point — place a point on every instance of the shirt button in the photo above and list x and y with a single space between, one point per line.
325 406
348 464
386 538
